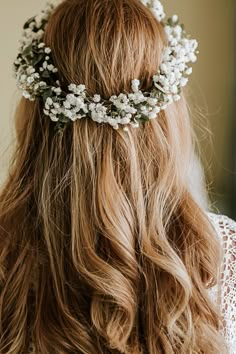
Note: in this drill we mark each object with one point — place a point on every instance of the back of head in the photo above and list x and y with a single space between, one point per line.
103 249
105 44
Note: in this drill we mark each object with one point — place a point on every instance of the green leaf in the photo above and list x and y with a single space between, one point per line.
37 59
170 22
46 74
143 118
44 22
63 119
26 25
60 127
27 51
47 93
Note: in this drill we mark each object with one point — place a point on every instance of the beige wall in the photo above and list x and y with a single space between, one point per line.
211 89
12 16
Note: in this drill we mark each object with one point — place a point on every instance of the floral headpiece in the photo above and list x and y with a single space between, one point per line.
37 77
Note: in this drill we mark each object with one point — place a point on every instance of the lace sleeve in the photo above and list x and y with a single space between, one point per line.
226 230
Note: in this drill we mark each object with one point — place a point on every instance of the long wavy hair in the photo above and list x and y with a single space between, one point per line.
102 247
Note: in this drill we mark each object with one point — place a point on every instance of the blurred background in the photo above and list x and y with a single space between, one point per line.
211 91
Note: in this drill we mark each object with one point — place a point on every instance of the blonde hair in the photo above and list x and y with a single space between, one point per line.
102 247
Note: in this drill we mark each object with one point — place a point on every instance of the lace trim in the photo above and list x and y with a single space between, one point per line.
225 291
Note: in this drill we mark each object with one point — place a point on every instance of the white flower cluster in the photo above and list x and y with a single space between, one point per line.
34 30
74 106
30 81
156 7
37 78
175 69
77 105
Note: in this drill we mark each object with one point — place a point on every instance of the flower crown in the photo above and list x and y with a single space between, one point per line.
37 77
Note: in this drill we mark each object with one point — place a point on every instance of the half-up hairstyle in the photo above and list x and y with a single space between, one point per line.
103 249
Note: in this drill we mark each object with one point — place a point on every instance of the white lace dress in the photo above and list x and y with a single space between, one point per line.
225 290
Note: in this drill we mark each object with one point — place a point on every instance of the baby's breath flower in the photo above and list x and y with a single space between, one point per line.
57 90
50 67
49 101
36 77
96 98
135 85
175 18
30 79
26 94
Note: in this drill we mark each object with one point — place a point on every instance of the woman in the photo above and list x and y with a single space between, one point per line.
103 248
